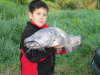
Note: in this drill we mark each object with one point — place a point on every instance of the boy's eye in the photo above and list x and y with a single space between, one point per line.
38 13
41 14
44 14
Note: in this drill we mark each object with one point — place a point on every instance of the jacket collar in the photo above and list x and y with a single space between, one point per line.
44 26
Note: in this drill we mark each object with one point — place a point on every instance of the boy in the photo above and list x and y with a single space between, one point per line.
37 62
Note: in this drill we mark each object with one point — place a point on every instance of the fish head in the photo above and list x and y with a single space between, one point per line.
73 42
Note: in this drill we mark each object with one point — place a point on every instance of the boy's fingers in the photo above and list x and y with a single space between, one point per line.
58 46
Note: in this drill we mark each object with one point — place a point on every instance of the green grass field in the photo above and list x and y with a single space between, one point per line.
78 22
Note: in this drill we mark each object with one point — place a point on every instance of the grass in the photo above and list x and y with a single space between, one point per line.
78 22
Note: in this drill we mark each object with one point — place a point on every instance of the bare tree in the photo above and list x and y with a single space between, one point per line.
98 4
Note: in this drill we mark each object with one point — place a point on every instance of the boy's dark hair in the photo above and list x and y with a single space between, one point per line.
35 4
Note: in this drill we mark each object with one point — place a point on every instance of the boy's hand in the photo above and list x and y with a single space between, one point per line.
58 46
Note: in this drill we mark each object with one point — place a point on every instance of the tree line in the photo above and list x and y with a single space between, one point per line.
72 4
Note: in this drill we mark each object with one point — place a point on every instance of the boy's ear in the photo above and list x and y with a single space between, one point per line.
30 15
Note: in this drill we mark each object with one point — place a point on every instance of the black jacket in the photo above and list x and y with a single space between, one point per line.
33 55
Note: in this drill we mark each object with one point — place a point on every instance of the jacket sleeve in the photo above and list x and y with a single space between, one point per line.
37 55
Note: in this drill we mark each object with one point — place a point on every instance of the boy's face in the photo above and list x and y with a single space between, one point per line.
39 16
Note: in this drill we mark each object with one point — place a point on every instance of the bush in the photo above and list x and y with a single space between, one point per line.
53 5
71 4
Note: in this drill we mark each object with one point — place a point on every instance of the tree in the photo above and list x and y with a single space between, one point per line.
98 4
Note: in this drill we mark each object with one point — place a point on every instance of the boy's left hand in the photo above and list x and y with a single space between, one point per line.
58 46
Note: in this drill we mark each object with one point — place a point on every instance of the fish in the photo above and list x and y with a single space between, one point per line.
50 37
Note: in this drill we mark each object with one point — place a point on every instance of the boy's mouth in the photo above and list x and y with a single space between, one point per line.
41 21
